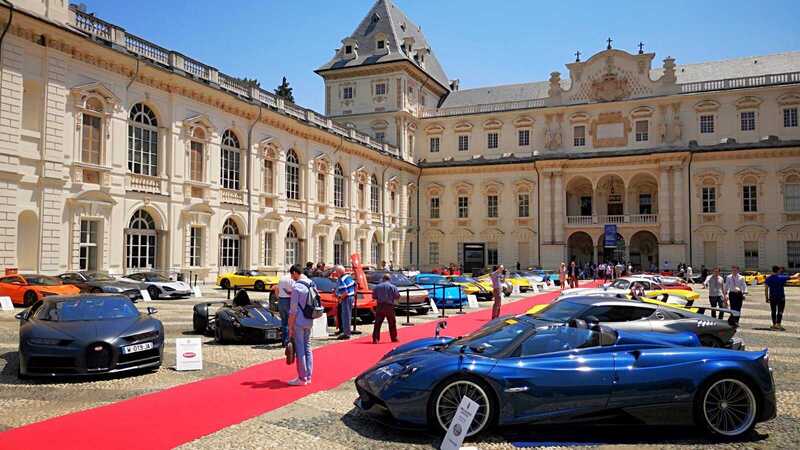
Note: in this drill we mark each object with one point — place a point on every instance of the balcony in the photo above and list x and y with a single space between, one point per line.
621 219
143 183
231 196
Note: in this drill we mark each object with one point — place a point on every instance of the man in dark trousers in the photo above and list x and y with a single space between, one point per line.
385 294
776 297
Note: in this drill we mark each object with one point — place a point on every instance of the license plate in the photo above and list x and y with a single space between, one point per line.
272 334
128 349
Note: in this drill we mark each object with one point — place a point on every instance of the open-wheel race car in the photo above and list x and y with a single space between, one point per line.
241 321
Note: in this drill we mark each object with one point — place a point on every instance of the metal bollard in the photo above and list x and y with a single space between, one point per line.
460 303
444 300
408 309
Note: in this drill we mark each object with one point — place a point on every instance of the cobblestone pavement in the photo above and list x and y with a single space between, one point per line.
328 420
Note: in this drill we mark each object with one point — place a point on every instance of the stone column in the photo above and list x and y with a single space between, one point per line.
664 205
558 198
546 220
11 105
679 209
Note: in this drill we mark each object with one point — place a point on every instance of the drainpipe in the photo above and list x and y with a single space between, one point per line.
250 181
419 188
538 216
383 209
689 186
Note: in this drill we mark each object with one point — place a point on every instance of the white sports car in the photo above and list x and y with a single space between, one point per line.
160 286
618 286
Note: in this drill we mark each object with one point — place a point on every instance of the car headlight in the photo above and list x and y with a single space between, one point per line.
43 341
398 370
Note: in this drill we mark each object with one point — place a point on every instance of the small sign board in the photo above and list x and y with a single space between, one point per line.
145 295
536 288
472 302
189 354
514 289
5 304
319 329
460 425
434 308
196 292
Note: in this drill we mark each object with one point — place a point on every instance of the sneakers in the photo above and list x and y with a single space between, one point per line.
780 328
299 382
774 327
343 337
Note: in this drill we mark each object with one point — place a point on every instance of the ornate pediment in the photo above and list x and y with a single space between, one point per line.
463 127
84 92
269 148
463 188
492 124
492 187
379 125
707 105
748 102
434 128
434 189
524 185
792 98
523 121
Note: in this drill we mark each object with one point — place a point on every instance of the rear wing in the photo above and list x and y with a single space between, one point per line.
703 309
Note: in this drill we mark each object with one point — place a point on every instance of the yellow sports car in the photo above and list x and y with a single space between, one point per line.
673 296
479 288
260 281
515 279
794 281
753 278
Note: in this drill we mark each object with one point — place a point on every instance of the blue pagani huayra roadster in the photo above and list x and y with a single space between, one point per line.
521 370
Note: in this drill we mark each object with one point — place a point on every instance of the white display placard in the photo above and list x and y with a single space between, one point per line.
434 308
460 425
189 354
472 302
196 292
319 329
514 289
5 304
536 287
145 295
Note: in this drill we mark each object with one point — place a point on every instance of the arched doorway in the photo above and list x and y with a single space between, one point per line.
338 248
375 252
580 248
644 251
230 244
28 242
141 241
292 246
611 254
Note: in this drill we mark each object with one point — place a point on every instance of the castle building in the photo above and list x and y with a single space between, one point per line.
118 154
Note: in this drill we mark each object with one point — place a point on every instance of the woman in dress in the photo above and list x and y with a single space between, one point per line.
562 275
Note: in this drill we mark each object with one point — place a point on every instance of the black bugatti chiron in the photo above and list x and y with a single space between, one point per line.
242 321
88 334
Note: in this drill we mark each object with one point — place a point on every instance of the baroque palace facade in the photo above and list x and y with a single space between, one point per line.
118 154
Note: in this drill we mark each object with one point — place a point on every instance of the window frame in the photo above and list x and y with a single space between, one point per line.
751 254
463 142
463 207
380 86
641 135
708 199
142 120
99 140
292 170
524 138
791 117
433 253
338 186
438 143
579 140
348 92
230 162
707 123
492 140
434 211
750 198
374 195
752 122
793 198
88 244
195 246
523 207
492 206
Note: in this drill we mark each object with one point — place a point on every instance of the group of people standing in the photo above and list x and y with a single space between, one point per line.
568 275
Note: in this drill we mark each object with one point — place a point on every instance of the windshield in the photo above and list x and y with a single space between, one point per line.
98 276
324 284
397 279
561 311
493 338
42 280
88 309
464 280
156 278
431 279
620 284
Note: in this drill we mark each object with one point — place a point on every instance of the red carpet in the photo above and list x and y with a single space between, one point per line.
172 417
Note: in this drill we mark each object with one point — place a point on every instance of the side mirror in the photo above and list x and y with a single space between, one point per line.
591 320
23 316
152 310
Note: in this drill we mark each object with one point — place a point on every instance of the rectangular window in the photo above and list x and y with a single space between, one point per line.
347 92
88 245
747 120
793 255
642 131
435 142
709 199
338 190
268 249
492 256
433 253
706 124
586 205
362 196
491 206
380 136
791 197
393 202
380 88
229 172
751 255
463 207
579 136
749 198
92 132
348 49
524 138
195 246
463 143
321 187
196 161
268 176
381 44
790 117
492 140
645 204
434 207
523 205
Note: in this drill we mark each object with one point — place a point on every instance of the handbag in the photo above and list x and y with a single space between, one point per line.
289 352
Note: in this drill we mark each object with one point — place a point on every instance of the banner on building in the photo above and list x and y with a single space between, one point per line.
610 235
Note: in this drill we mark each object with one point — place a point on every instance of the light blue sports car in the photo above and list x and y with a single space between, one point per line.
444 292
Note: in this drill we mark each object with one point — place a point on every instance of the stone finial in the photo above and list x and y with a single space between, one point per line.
669 70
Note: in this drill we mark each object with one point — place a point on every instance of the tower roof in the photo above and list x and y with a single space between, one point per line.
404 39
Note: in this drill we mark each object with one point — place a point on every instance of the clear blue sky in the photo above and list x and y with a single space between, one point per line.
513 41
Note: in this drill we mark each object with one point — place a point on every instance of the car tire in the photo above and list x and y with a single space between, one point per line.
718 398
29 299
225 283
423 311
259 286
154 292
707 340
21 376
446 397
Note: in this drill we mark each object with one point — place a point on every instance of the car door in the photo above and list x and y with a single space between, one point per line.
634 317
550 376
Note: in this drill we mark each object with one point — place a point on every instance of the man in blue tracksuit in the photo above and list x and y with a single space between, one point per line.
346 293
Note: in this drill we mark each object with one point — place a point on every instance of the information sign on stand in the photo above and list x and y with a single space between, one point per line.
145 295
189 354
5 304
319 328
434 308
472 302
536 287
460 425
514 289
196 292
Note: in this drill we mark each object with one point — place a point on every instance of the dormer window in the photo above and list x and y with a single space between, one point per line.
347 92
380 89
348 49
381 44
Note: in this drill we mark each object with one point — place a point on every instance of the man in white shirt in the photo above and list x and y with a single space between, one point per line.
283 290
689 274
735 289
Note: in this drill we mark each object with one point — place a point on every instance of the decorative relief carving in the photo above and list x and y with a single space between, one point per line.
610 130
553 138
610 87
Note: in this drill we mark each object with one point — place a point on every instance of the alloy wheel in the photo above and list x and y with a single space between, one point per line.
450 397
729 407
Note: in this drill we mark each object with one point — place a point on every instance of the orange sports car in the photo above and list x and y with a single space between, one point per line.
364 307
26 289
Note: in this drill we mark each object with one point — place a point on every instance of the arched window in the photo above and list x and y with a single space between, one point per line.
229 245
292 176
375 251
197 154
292 246
230 161
375 195
338 186
140 243
338 248
142 141
92 132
